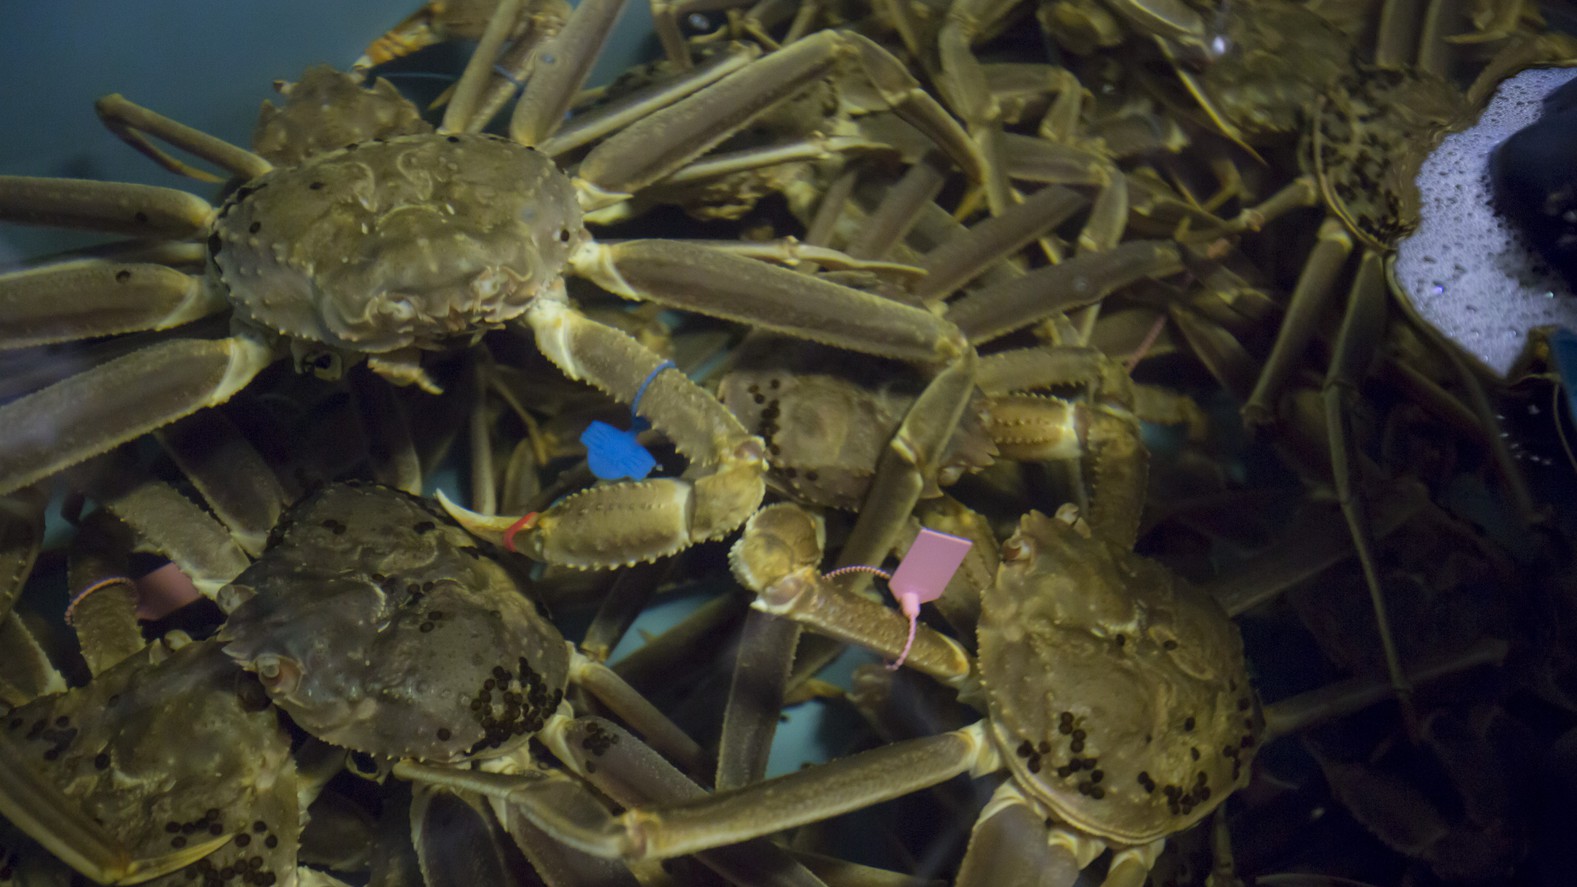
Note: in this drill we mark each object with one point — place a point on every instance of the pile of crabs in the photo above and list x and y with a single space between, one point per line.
1259 578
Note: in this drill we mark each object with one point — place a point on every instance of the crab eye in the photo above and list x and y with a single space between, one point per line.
280 676
1017 549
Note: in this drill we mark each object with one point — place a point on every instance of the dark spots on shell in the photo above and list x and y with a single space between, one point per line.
334 526
215 829
101 761
1193 753
1097 775
178 841
513 703
452 139
260 826
1146 783
564 235
1122 641
316 186
122 276
812 476
243 840
759 398
1076 746
254 227
598 739
1169 644
425 526
1188 724
444 734
271 842
353 146
141 217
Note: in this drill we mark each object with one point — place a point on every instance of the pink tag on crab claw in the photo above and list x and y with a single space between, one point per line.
164 591
923 574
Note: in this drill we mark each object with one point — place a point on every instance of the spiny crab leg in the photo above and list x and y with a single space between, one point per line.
89 413
647 519
662 143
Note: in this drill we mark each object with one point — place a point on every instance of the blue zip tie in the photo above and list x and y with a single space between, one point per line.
641 391
612 454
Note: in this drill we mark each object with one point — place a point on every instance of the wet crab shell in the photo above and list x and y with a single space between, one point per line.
416 644
171 753
382 245
1119 694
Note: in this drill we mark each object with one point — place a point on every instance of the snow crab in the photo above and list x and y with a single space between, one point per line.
421 643
385 248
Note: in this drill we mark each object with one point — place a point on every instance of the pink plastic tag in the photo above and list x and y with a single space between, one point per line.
930 564
923 575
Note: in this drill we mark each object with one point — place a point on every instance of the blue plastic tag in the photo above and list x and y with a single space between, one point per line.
613 454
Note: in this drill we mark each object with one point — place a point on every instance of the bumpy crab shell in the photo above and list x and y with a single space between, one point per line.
416 643
391 243
178 757
1147 715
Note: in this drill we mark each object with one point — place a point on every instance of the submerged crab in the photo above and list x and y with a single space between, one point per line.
418 644
388 247
1117 700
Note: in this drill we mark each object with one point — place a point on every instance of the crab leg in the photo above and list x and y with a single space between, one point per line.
110 207
662 143
105 620
617 114
25 671
1085 279
631 773
1010 844
21 535
90 298
681 275
467 93
754 811
561 67
133 123
961 259
624 523
88 413
232 476
1311 296
1361 330
892 219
